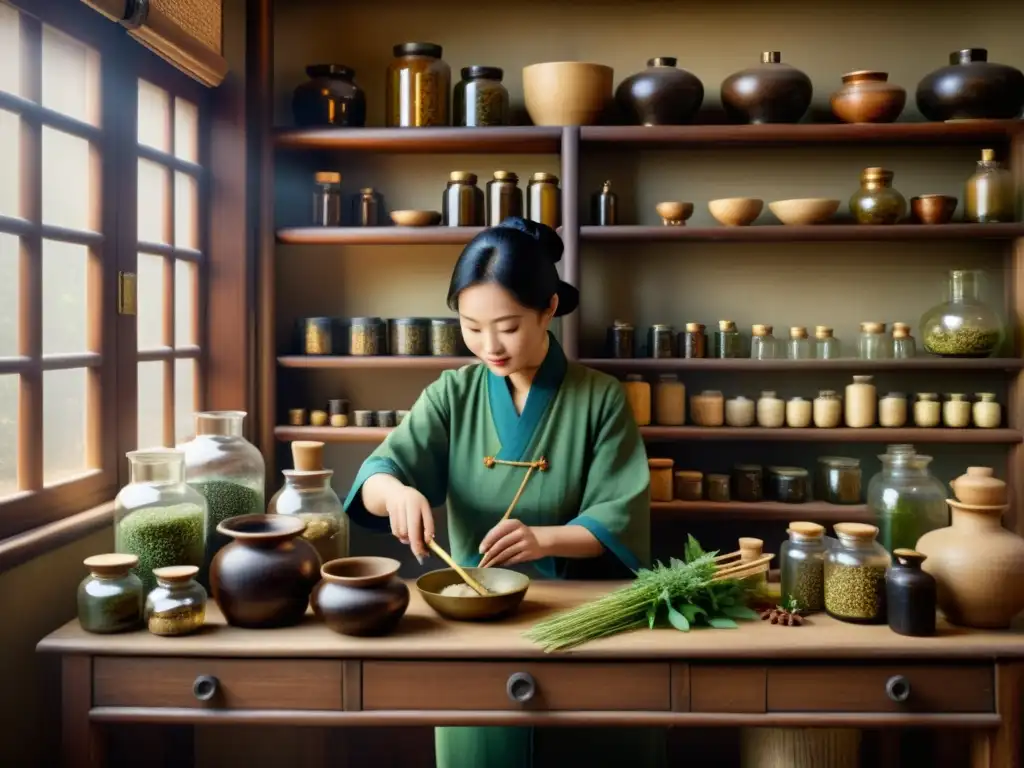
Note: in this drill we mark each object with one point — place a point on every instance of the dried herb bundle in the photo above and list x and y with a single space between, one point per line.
681 594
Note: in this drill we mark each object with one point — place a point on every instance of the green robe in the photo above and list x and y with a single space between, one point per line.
577 419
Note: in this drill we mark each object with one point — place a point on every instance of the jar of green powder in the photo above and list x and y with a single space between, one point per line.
110 597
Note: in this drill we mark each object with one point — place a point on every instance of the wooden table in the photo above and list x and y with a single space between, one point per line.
435 672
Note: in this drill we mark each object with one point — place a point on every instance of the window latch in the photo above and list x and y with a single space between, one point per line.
127 297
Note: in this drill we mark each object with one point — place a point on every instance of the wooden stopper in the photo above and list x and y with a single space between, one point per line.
176 574
308 455
750 548
113 564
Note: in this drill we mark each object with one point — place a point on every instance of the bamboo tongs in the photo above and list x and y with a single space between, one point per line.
438 550
729 566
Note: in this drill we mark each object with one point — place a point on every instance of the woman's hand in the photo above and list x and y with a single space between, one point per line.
511 542
412 521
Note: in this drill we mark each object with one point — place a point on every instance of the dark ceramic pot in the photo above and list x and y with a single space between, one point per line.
361 596
771 92
910 595
660 95
264 577
329 98
868 97
971 88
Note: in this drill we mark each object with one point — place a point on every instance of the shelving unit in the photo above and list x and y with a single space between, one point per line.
813 511
816 233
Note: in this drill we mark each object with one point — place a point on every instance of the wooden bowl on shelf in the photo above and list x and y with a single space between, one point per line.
932 209
509 588
567 92
736 211
411 218
804 210
674 213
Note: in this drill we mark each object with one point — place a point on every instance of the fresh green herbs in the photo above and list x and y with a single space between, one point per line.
681 595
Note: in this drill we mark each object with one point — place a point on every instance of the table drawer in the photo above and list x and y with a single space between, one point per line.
217 683
552 686
883 688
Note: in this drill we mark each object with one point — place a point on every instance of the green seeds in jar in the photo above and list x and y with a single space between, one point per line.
855 592
445 337
806 583
962 342
367 336
163 536
409 336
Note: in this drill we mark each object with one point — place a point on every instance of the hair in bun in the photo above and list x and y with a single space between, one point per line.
548 240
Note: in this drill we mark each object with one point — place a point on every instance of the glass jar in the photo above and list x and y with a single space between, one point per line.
873 344
861 402
330 98
544 200
708 409
798 413
689 486
892 410
364 418
771 411
956 412
479 98
327 199
987 412
927 410
110 597
903 344
409 336
748 482
387 418
802 567
661 341
418 84
638 395
366 208
504 197
739 412
670 401
838 480
827 410
177 605
718 488
158 517
446 337
910 595
787 485
621 341
694 343
728 342
463 201
855 567
989 195
367 336
963 325
906 499
799 347
826 346
762 343
876 202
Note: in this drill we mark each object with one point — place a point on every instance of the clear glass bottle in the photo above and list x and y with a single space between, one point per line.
927 410
906 499
802 567
177 605
956 412
158 517
799 347
873 344
419 83
989 195
771 410
327 199
762 343
986 412
827 410
903 344
479 98
826 345
855 567
110 597
307 494
728 342
892 410
963 325
861 402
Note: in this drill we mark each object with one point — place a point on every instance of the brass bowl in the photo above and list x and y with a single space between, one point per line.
416 218
933 209
674 213
509 588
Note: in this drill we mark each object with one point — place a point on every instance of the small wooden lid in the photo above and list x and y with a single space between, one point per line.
872 327
751 546
726 325
112 564
856 530
798 332
689 474
328 177
807 530
822 331
176 573
988 155
760 330
308 455
660 463
694 327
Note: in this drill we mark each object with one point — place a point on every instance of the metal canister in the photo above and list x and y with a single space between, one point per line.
604 207
621 341
367 208
544 199
661 341
463 201
317 335
504 198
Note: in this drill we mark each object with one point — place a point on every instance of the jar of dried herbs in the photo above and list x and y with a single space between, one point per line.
479 98
177 605
718 488
363 418
620 341
661 341
462 204
903 344
670 401
419 82
855 569
693 343
708 408
544 199
110 597
367 336
827 410
838 480
409 336
728 342
787 485
445 337
689 485
802 567
748 482
964 325
504 197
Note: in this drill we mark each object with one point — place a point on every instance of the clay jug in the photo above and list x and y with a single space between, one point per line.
868 97
971 88
264 577
978 567
361 596
771 92
662 94
978 486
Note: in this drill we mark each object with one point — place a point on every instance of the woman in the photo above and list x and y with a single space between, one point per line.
583 511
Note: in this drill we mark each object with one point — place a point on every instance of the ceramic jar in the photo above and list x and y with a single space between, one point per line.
330 98
739 412
910 595
876 202
827 410
986 412
638 395
662 94
361 596
264 577
771 92
708 409
971 88
771 410
798 412
979 486
861 402
867 96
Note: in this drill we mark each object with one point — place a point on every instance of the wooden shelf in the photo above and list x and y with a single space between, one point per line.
814 511
377 235
921 363
839 435
672 136
527 139
778 233
378 362
333 434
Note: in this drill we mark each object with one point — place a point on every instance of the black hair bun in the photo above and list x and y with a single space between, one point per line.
547 239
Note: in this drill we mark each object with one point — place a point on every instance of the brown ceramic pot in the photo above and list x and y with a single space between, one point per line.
971 88
978 566
771 92
933 209
660 95
979 486
361 596
264 577
330 98
868 97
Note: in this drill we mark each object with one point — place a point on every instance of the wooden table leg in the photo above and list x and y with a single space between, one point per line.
1001 748
81 740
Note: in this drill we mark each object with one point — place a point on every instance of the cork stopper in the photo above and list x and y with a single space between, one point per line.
175 574
909 556
872 327
761 330
726 325
859 531
900 330
822 331
798 332
328 177
694 327
750 548
805 530
988 155
113 564
308 455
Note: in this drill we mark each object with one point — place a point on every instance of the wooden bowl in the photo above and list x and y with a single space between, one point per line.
416 218
932 209
804 210
509 587
674 214
736 211
567 92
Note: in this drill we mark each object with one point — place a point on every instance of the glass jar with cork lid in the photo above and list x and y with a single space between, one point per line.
802 567
762 343
693 342
873 344
855 567
728 342
903 344
799 346
177 605
110 598
826 345
327 199
964 325
989 195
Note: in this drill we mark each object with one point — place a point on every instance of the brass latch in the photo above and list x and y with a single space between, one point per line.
127 295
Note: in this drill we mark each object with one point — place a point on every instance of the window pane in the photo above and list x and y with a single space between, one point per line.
9 293
154 179
64 415
186 208
151 404
154 117
71 76
10 44
70 183
65 297
149 318
186 130
10 160
184 303
184 399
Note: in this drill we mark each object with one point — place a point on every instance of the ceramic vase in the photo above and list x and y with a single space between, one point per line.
868 97
771 92
971 88
361 596
662 94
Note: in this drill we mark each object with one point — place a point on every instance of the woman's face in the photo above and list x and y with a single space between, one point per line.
505 335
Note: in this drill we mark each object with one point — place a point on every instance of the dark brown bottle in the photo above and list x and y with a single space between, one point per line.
910 595
604 207
771 92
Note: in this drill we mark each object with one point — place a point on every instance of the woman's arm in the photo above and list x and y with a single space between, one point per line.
572 541
375 492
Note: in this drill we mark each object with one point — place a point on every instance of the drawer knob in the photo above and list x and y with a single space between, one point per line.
521 687
205 687
897 688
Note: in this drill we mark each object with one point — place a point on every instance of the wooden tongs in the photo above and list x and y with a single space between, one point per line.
477 587
733 566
